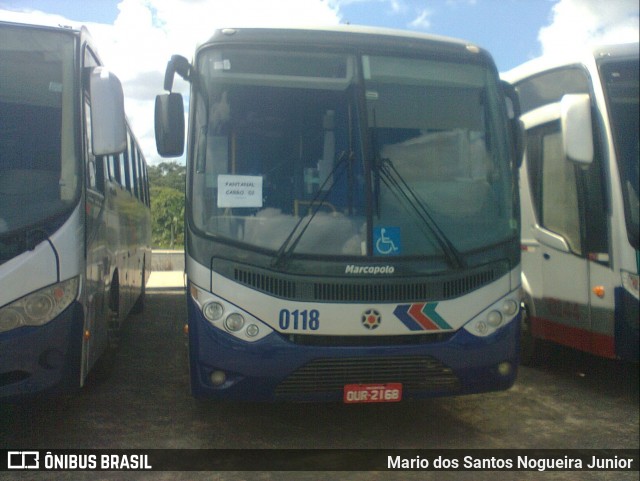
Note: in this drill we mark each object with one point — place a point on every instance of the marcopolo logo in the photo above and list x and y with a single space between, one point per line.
374 270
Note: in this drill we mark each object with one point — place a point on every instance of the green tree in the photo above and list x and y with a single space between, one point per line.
168 174
167 181
167 217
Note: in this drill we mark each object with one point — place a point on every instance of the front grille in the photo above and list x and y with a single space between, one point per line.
389 289
367 341
416 373
468 283
266 283
367 292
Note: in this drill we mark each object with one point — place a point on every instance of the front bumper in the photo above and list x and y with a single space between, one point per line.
43 359
275 369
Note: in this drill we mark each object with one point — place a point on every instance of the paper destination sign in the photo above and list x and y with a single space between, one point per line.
239 191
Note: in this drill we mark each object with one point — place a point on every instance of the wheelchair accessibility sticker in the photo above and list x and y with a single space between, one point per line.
387 241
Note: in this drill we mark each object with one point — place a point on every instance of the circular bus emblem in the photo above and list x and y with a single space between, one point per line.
371 319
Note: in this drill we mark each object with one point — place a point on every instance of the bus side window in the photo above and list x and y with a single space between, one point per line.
126 167
95 165
143 193
110 167
124 163
549 87
117 162
554 184
569 199
136 173
133 188
594 201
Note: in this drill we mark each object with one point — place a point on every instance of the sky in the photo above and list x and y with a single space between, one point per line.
135 38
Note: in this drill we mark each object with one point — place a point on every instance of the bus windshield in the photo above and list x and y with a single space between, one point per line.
438 132
292 153
38 168
620 80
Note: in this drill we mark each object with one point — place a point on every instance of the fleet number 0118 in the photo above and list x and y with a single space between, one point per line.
299 320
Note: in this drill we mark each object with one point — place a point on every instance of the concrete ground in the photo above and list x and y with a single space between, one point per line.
166 280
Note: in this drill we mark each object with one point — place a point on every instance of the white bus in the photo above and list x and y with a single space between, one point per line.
579 191
352 225
74 210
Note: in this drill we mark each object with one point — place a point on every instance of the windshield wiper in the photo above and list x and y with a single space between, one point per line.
15 243
292 240
405 194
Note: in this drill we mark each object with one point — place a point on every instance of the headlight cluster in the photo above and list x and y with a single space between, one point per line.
494 317
228 317
39 307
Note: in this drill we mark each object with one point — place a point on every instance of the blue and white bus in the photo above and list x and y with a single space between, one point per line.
352 215
74 210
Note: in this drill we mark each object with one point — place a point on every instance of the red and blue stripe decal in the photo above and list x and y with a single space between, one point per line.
421 316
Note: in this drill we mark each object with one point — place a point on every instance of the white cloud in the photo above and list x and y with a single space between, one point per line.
147 32
422 21
578 23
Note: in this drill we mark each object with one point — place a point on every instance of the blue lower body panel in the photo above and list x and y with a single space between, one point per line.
43 359
276 369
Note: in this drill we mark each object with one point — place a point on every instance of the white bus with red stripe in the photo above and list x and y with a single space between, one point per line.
579 191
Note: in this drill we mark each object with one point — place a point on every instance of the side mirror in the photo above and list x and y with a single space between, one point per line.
516 127
169 125
108 124
177 64
577 133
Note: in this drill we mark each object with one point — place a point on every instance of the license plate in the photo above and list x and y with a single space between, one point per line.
372 393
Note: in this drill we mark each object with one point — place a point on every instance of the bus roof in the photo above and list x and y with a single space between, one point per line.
78 30
341 35
581 56
49 25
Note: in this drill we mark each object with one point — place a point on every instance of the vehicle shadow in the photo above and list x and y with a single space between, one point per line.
618 378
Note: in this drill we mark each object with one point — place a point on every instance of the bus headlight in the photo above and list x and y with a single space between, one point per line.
237 322
495 316
234 322
213 311
10 319
253 330
40 307
509 307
